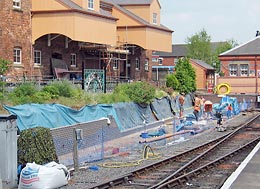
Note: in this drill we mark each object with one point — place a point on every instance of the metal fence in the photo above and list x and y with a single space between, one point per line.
98 140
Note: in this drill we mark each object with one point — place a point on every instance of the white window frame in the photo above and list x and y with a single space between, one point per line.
17 4
233 70
37 57
244 69
154 18
91 4
146 65
137 63
17 55
115 63
160 61
154 59
73 60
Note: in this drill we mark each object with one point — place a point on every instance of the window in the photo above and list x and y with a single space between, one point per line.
137 64
154 59
37 57
73 60
154 18
91 4
115 64
233 69
17 55
17 4
244 69
146 65
160 61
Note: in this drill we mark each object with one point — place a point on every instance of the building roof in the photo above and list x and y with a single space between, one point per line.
131 2
118 4
70 4
251 47
203 64
181 50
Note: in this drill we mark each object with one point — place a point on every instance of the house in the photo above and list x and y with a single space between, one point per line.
164 62
111 35
205 75
241 67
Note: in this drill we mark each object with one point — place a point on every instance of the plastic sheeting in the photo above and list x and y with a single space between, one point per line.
132 115
161 108
126 115
56 115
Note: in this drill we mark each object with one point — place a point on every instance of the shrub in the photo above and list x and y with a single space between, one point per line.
140 92
172 81
41 97
51 90
64 88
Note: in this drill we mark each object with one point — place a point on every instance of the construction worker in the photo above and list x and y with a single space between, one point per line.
181 103
197 107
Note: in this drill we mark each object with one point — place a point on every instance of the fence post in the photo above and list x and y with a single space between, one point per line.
75 151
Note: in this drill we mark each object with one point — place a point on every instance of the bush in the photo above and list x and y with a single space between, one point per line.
138 92
23 93
64 88
51 90
41 97
172 81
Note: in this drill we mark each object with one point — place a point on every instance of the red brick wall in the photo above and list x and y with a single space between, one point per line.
58 47
15 31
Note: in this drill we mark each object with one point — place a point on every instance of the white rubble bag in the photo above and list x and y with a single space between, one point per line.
48 176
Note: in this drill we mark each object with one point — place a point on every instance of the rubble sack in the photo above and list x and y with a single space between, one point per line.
48 176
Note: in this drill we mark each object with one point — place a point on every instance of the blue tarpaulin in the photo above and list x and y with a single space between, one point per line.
56 115
126 115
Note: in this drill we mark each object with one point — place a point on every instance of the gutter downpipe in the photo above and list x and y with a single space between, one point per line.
256 75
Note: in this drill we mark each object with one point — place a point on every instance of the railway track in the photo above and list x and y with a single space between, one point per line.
206 166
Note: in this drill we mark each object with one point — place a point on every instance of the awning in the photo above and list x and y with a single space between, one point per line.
163 67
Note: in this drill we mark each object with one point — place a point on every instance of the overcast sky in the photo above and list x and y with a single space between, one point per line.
222 19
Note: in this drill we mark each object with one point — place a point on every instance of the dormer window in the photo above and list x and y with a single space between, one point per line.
17 4
154 18
91 4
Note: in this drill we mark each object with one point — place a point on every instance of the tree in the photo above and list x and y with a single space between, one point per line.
222 47
185 75
199 46
172 81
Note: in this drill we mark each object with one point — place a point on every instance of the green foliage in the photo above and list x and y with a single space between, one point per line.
51 90
73 96
199 46
185 75
160 93
41 97
172 81
222 47
64 88
23 93
36 145
4 66
139 92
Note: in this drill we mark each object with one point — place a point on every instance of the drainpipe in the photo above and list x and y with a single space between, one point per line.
256 74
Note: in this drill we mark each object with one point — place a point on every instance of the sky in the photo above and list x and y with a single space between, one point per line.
221 19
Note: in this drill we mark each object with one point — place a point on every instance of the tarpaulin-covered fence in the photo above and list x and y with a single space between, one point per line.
126 118
127 115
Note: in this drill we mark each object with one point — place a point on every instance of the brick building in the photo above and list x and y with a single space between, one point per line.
15 35
241 67
118 36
